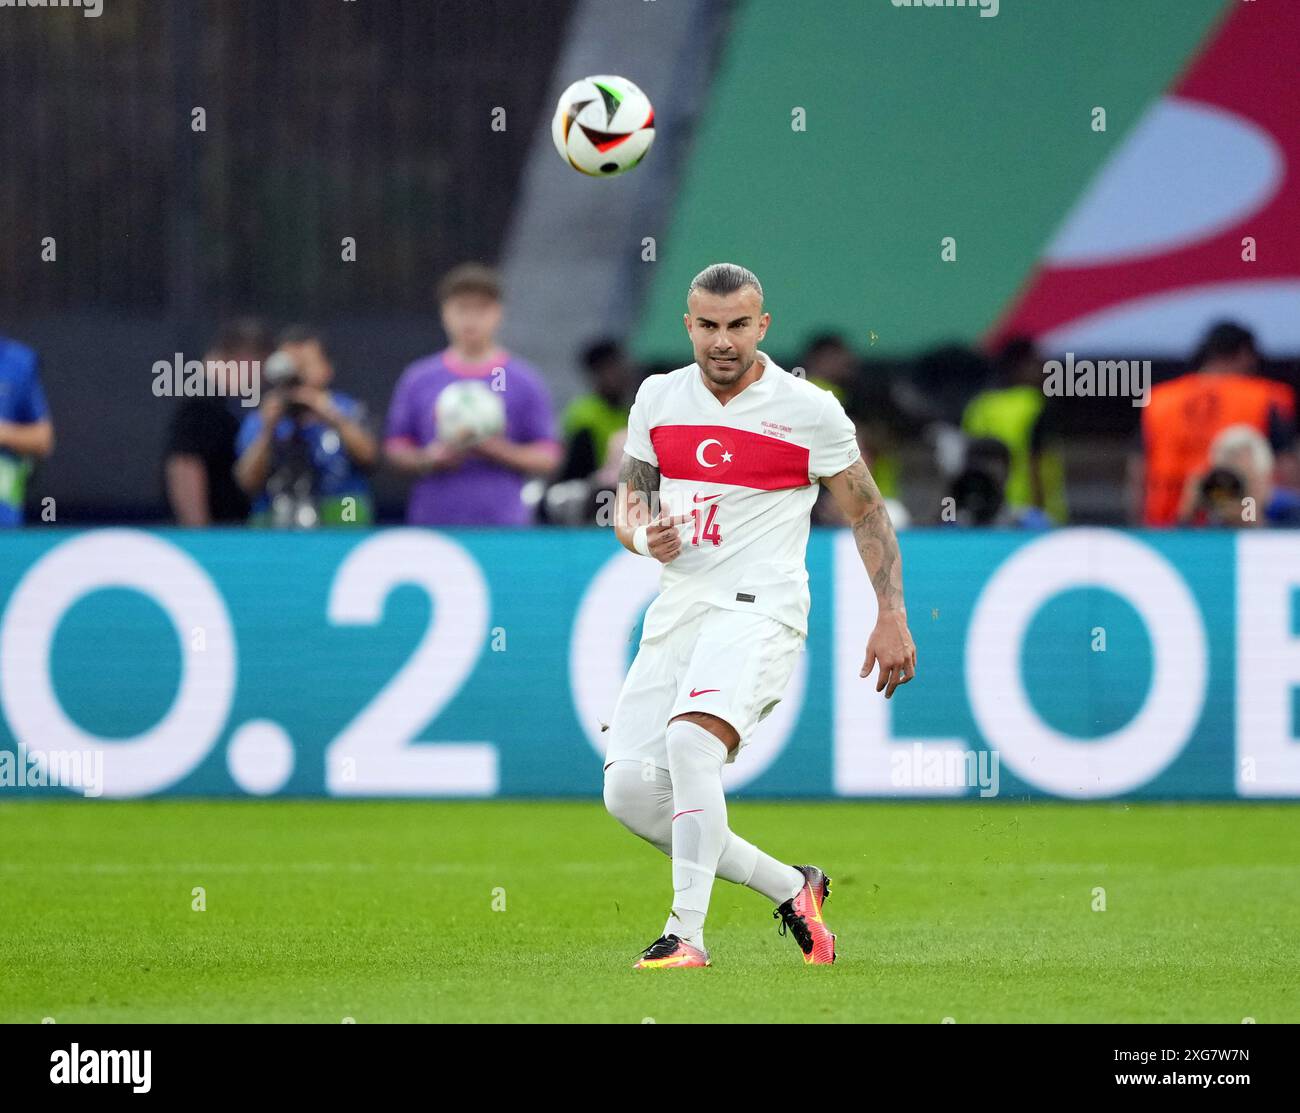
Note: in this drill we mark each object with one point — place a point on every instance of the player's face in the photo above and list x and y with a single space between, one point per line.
725 331
471 321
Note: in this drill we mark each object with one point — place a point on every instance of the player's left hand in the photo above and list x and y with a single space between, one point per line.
892 648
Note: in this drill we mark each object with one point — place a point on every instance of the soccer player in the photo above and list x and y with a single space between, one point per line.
732 448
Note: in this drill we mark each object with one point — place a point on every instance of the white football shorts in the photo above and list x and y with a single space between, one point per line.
725 663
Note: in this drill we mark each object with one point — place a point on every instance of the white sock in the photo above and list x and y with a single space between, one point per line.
743 863
640 797
699 825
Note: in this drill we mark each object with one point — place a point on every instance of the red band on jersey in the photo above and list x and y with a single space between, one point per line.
736 457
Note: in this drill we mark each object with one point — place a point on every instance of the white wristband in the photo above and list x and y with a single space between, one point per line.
639 542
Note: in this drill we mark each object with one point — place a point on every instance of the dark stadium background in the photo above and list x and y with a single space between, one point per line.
324 121
371 120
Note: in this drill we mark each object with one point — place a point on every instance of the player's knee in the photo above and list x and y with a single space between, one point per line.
693 746
634 801
618 800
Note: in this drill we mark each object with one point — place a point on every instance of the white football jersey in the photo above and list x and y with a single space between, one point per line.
746 472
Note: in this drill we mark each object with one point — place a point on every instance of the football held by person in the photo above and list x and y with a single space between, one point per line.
721 470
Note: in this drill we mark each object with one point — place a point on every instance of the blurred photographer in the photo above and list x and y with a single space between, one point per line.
979 491
304 453
1237 488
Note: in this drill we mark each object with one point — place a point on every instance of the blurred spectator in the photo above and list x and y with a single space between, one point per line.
199 467
883 425
1241 467
1187 413
595 427
471 481
978 491
1217 500
26 431
606 479
930 398
1016 412
829 363
592 418
941 384
304 453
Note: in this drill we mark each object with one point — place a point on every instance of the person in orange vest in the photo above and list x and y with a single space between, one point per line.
1187 413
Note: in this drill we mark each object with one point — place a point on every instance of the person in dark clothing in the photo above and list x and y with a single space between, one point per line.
200 458
591 419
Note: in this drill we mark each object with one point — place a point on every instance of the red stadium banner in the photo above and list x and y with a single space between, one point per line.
1193 217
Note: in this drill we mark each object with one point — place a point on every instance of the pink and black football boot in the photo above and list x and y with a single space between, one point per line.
670 951
801 915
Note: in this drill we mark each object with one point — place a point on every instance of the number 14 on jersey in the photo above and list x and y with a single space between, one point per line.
706 529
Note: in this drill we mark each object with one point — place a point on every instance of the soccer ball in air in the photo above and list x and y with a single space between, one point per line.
603 126
467 412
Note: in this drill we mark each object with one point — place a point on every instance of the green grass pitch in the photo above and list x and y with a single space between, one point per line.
317 911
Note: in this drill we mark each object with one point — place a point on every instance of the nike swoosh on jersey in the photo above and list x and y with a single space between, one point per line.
702 691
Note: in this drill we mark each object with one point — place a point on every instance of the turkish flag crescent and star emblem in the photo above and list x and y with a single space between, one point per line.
719 454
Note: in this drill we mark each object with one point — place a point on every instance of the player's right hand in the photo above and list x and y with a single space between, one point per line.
662 538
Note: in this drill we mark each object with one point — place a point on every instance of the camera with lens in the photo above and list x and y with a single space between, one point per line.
1220 496
280 375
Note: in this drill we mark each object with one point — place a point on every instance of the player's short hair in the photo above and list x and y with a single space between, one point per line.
725 278
469 278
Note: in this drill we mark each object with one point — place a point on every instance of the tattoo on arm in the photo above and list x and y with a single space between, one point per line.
640 480
876 541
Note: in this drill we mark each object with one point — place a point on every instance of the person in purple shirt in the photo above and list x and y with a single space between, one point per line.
480 483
